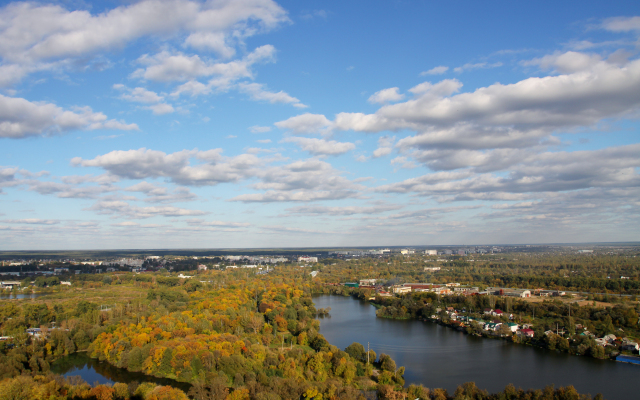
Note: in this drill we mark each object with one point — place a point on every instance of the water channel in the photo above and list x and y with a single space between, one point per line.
437 356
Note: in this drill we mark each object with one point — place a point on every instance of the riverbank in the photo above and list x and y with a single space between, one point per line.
437 356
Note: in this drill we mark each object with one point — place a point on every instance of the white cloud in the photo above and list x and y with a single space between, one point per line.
258 93
305 123
21 118
35 37
483 65
161 108
403 162
303 180
313 14
614 167
306 180
321 147
143 163
341 211
124 209
259 129
385 146
362 158
32 221
435 71
171 67
264 141
69 190
476 128
7 177
568 62
159 194
228 224
384 96
139 95
622 24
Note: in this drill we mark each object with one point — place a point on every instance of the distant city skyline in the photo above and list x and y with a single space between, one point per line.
256 123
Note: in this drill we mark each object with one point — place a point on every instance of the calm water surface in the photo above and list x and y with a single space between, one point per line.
436 356
10 296
94 371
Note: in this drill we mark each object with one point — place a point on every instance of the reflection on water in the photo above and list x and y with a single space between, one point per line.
436 356
94 371
18 296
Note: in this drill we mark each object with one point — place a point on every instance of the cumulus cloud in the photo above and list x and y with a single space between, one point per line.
168 66
568 62
141 95
403 162
614 167
7 177
226 224
126 210
384 96
159 194
297 230
32 221
259 129
303 180
306 180
305 124
457 130
321 147
435 71
161 108
20 118
622 24
385 146
258 93
144 163
44 36
469 66
69 190
341 211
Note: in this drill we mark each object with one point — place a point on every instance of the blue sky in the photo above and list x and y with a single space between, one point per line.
254 123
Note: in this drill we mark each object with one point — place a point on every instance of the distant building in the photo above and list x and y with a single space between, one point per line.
431 252
526 332
368 282
399 289
59 271
432 269
414 286
307 259
202 267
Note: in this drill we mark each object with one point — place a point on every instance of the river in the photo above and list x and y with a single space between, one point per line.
437 356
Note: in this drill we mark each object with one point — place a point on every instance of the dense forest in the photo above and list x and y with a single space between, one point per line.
231 334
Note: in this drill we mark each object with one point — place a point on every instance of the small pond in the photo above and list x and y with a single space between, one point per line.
94 371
